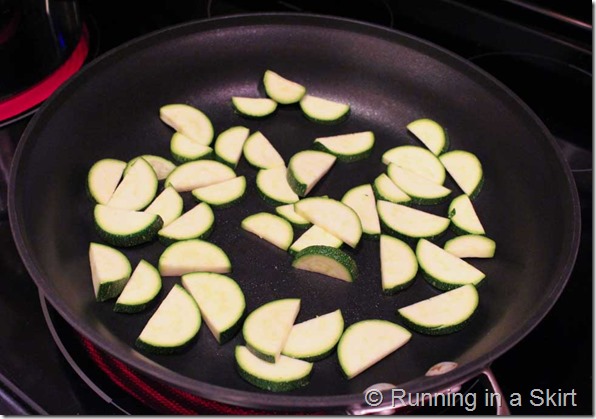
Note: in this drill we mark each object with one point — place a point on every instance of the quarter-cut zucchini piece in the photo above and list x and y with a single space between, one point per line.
110 270
471 246
271 228
398 264
464 219
465 168
323 110
260 153
315 236
196 174
193 256
222 195
142 287
103 178
405 222
184 149
162 167
443 270
332 216
273 186
282 90
306 168
327 260
196 223
228 145
367 342
174 324
168 205
347 147
420 189
287 211
220 300
188 121
315 339
254 107
432 135
267 328
362 200
125 228
137 189
284 375
386 190
442 314
417 160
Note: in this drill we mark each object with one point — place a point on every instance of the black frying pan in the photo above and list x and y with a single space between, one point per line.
528 205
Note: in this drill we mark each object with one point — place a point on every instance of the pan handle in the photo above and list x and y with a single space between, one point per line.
378 400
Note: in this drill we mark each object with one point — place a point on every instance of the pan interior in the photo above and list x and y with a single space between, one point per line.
111 110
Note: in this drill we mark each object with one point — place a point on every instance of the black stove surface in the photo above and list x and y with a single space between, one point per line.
545 60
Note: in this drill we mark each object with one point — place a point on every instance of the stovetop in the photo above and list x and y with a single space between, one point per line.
540 49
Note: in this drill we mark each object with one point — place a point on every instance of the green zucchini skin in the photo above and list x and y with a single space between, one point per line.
333 253
346 158
436 331
144 236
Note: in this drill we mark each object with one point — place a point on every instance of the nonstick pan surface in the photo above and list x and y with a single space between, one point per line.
528 204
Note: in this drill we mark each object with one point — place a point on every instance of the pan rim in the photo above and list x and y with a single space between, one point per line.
255 399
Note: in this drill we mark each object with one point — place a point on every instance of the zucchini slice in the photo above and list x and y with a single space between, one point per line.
362 200
228 145
142 287
184 149
405 222
420 189
222 195
196 223
168 205
332 216
442 314
272 228
162 167
315 339
125 228
284 375
386 190
254 107
443 270
417 160
327 260
323 110
103 178
471 246
193 256
307 168
287 211
274 188
196 174
465 168
110 271
174 324
282 90
137 189
398 264
347 147
188 121
260 153
267 328
464 219
220 300
315 236
431 134
367 342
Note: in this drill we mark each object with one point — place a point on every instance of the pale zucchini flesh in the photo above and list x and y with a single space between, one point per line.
307 168
196 223
419 188
315 339
229 144
315 236
464 219
254 107
260 153
405 222
431 134
168 205
465 168
137 189
444 270
188 121
282 90
183 149
274 188
267 328
196 174
103 178
125 228
386 190
328 261
471 246
222 195
162 167
362 200
110 270
347 147
142 288
417 160
287 211
220 300
322 110
271 228
196 255
398 264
